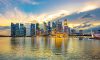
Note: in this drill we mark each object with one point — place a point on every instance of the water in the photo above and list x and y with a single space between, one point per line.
49 48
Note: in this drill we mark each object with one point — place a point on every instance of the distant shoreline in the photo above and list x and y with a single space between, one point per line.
42 35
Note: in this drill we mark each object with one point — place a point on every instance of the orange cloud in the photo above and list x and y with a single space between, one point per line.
89 6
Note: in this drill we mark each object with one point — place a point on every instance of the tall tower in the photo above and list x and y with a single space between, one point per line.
53 25
49 28
37 29
59 26
65 22
65 26
17 29
12 30
45 28
32 30
24 31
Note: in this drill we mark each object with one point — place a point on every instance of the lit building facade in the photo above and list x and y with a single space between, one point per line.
65 26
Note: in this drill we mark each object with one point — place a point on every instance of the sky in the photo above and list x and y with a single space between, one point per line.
33 11
27 11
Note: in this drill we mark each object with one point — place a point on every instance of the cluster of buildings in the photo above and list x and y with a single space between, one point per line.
18 30
49 28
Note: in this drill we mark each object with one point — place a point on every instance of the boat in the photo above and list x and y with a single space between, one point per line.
96 34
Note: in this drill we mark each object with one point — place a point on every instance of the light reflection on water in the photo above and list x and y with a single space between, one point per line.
49 48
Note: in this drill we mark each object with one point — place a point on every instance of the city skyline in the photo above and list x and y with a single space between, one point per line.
33 11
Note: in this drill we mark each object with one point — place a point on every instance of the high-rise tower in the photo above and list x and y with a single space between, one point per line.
65 26
32 30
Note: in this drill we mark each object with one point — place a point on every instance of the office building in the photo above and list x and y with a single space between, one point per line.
65 26
12 29
59 26
37 29
32 30
53 25
18 30
49 28
45 28
22 30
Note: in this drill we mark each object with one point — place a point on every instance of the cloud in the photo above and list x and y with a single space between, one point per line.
88 16
17 16
81 5
6 5
89 5
33 2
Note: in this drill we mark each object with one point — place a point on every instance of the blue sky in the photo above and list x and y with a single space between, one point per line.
41 6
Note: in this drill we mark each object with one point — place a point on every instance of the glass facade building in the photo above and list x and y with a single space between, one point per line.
18 30
32 30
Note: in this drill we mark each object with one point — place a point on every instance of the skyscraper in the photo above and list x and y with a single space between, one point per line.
37 29
18 30
49 28
22 30
65 26
45 28
53 25
32 30
59 26
12 29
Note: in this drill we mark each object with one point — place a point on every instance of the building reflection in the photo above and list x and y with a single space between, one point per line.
18 46
33 43
40 45
48 47
61 45
51 42
47 42
17 42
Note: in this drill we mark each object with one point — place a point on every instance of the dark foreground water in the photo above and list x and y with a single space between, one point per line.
49 48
